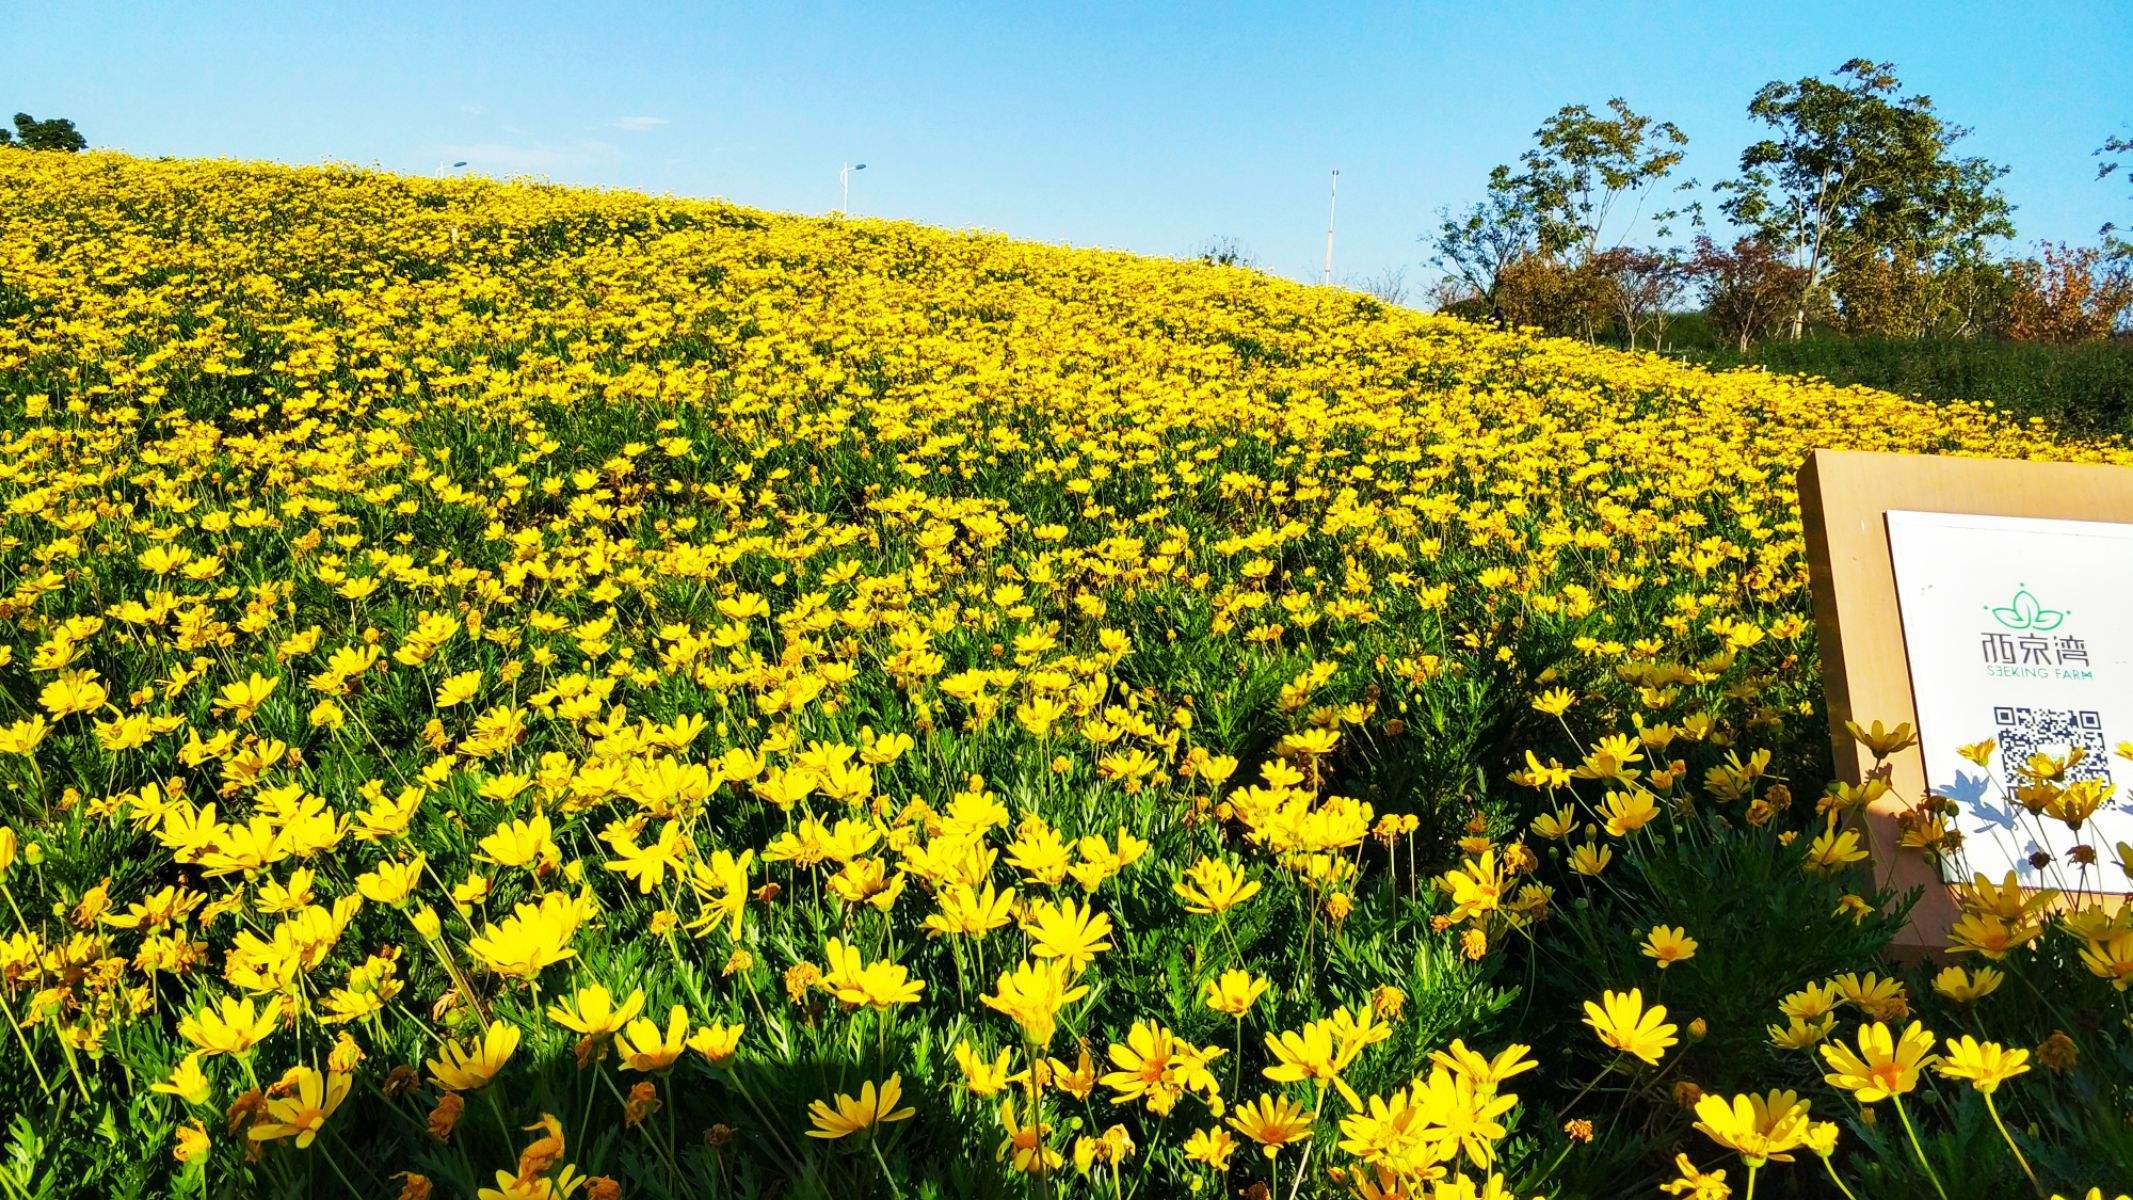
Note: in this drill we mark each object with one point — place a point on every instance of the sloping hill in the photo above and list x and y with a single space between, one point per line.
740 598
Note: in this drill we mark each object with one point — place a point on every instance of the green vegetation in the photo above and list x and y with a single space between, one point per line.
2087 386
53 133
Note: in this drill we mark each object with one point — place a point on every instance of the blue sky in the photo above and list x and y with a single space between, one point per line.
1137 126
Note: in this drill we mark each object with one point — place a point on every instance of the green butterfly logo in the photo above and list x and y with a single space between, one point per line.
2025 612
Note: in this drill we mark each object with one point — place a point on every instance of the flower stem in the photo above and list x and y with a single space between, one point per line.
1992 1108
887 1175
1831 1167
1918 1149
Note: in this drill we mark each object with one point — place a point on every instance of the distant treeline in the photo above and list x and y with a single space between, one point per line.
1857 215
55 133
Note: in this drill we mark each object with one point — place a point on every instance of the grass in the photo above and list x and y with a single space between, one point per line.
2085 387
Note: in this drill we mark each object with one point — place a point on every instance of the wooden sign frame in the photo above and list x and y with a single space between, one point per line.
1845 497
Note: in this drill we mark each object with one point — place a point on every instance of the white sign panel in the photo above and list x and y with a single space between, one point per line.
2020 630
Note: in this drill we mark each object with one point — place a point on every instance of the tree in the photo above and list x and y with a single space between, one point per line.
1222 250
1478 245
1747 288
1525 251
1545 291
2115 152
1584 166
1388 286
1643 286
1899 295
1858 169
2069 294
58 133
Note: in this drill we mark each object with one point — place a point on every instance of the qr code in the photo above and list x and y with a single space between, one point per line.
2052 731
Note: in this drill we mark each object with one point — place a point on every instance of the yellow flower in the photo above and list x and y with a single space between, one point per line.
968 912
1669 945
392 882
1475 889
187 1081
847 1115
1696 1184
1556 825
242 699
532 938
984 1077
1555 701
24 736
562 1185
1487 1073
1880 741
73 692
1881 999
230 1026
1623 1023
1074 936
1833 850
1627 812
1210 1147
1799 1034
592 1011
191 1142
1316 1054
1759 1128
1032 994
645 1048
2111 958
855 981
470 1068
300 1112
1986 1065
1157 1067
520 843
1027 1148
1884 1065
1967 987
1212 886
647 866
718 1041
458 689
1591 858
1113 1147
1271 1121
1235 992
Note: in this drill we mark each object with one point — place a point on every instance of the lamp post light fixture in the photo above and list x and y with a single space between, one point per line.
844 182
1333 196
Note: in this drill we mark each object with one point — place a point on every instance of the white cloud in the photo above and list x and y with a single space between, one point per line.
639 124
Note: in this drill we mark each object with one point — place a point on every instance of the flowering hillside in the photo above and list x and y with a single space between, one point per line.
565 693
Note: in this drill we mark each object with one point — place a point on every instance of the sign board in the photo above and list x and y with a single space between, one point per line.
2017 629
1974 599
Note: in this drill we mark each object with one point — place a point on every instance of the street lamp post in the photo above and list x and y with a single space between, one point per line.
1333 196
844 181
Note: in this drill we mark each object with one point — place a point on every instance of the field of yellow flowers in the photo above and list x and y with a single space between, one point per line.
537 693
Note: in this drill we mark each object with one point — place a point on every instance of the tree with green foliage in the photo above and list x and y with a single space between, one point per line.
1858 170
1584 167
2115 152
56 133
1527 249
1477 246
